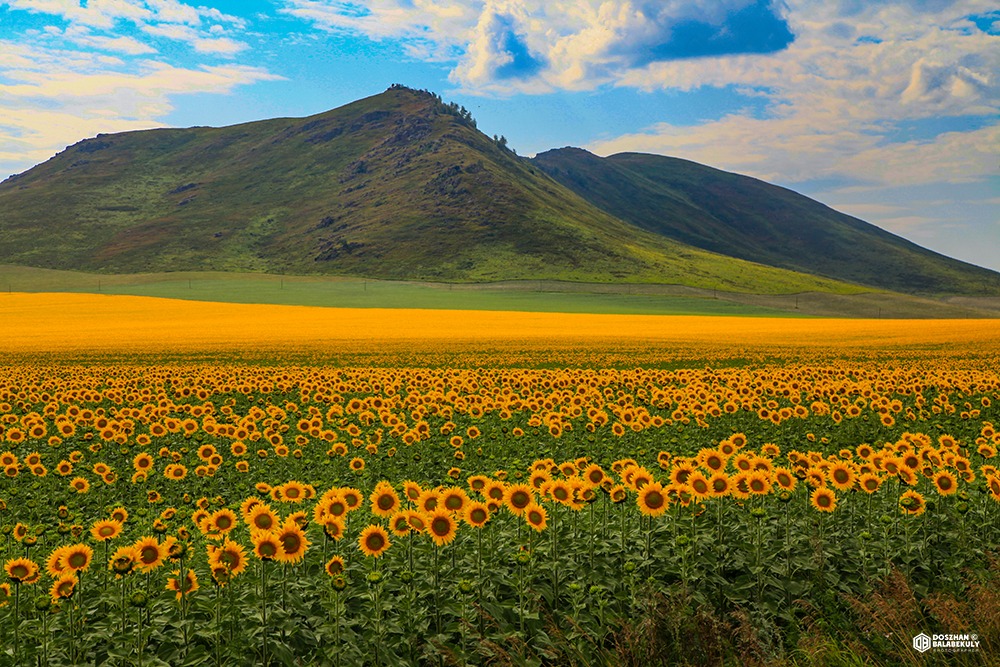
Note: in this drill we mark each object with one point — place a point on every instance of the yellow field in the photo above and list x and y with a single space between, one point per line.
42 323
548 482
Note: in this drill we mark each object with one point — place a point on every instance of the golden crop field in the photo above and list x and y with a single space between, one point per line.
195 483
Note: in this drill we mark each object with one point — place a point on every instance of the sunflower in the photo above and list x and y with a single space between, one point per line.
183 585
335 507
494 491
945 482
335 566
262 518
63 587
412 490
477 483
231 556
334 528
699 485
641 477
149 554
428 500
869 482
617 493
712 459
561 491
374 541
266 545
841 476
738 485
293 541
21 531
824 499
454 499
55 564
105 529
815 478
535 516
517 497
907 476
652 499
417 520
477 514
785 479
123 560
398 523
22 571
78 484
77 557
719 484
441 526
357 464
384 500
912 503
759 483
292 492
352 497
223 521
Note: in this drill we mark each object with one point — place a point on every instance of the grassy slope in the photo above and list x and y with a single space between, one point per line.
359 293
392 187
744 217
529 296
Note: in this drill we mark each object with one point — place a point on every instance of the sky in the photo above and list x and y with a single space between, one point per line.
888 111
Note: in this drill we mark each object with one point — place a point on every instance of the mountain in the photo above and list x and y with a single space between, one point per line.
743 217
401 185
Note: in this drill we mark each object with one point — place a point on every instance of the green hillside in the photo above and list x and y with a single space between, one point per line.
743 217
402 186
398 185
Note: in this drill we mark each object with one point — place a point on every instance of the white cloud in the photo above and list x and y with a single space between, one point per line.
836 102
169 19
81 35
50 98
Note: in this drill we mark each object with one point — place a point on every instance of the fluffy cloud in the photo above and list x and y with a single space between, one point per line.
52 97
838 94
98 70
169 19
536 45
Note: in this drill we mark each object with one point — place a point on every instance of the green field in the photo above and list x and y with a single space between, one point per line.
358 293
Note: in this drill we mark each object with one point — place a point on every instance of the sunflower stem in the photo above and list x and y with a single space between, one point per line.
437 589
17 619
263 611
218 627
124 615
45 637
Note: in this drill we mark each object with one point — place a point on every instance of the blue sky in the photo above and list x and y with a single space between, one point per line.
888 110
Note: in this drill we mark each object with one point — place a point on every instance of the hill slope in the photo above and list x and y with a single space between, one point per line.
747 218
398 185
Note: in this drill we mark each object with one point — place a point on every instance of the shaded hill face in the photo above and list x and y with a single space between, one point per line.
743 217
398 185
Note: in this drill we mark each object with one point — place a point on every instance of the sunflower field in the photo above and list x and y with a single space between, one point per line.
600 506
